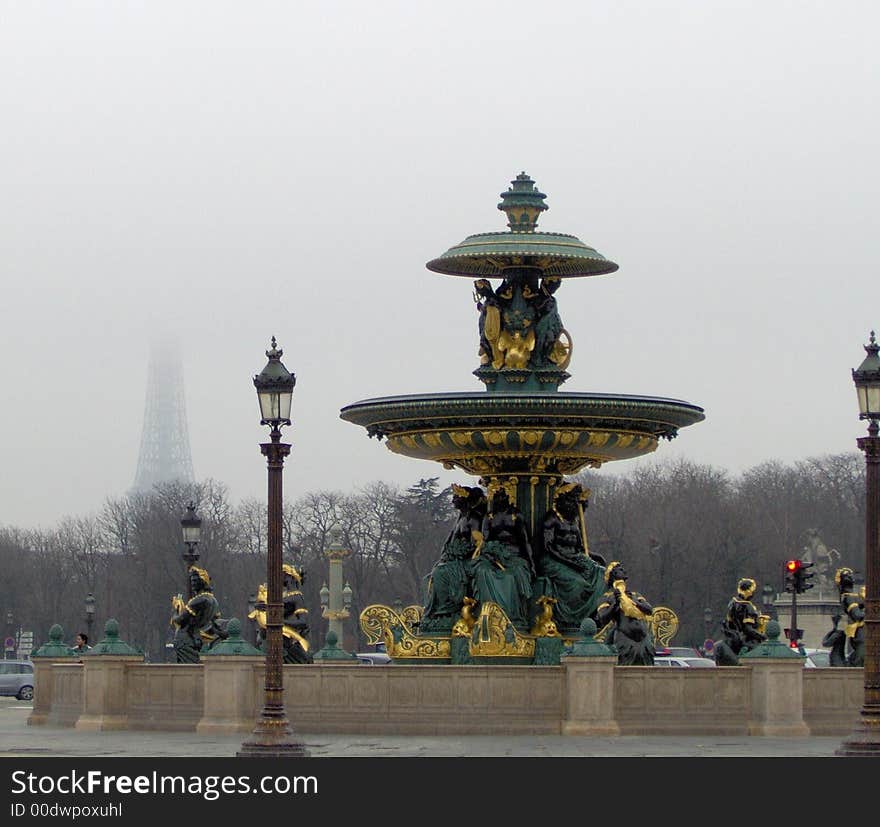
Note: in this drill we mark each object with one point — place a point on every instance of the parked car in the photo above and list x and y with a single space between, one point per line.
678 652
817 658
688 662
374 658
17 678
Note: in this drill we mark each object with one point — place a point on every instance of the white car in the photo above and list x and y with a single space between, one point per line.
817 658
374 658
681 662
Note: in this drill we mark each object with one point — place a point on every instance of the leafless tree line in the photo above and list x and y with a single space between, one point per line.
686 533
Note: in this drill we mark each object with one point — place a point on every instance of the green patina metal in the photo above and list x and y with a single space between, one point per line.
772 647
521 433
332 651
55 646
495 254
548 650
234 644
586 646
112 644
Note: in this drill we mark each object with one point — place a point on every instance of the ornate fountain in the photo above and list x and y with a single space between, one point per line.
522 433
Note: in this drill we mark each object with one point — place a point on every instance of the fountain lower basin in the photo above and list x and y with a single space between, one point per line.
489 433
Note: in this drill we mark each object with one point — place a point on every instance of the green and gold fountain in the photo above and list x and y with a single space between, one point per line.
521 432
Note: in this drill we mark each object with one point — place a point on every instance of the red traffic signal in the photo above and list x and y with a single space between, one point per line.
792 567
797 576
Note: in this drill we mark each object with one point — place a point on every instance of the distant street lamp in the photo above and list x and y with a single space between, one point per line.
865 739
768 599
8 652
708 616
191 526
273 737
90 613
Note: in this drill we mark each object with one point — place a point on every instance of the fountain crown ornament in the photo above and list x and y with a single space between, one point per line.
523 248
523 203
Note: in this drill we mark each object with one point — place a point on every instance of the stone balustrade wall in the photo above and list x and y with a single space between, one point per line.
584 696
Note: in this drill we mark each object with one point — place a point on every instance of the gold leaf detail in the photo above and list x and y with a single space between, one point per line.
664 624
461 438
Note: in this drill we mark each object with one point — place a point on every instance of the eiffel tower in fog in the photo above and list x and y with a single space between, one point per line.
164 454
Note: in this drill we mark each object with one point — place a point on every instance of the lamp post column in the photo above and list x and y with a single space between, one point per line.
90 615
273 736
274 713
865 740
9 653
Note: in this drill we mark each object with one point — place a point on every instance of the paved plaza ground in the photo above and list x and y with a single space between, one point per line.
400 788
17 739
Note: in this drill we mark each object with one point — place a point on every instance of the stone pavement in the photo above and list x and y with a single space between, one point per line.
19 740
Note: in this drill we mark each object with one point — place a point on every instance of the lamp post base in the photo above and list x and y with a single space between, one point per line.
864 741
275 741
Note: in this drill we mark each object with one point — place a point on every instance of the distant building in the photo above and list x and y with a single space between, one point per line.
165 453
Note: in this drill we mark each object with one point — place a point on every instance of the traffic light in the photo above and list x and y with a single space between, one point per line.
791 570
803 576
794 637
798 576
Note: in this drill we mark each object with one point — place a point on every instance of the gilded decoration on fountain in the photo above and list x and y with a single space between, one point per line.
664 624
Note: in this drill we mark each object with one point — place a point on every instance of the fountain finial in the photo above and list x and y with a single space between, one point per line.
523 203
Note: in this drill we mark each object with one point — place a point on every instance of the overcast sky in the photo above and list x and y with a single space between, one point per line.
229 171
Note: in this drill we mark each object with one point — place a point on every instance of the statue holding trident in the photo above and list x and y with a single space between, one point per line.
567 571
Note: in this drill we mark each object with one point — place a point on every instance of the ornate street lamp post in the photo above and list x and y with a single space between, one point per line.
865 739
273 737
191 526
768 599
708 643
90 615
10 619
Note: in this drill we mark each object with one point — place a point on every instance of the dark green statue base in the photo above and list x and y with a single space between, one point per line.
459 649
547 651
437 626
511 380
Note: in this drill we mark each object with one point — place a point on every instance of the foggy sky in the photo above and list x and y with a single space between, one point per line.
231 171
